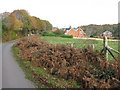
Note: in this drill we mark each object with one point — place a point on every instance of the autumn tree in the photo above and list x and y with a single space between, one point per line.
48 25
7 24
20 22
24 16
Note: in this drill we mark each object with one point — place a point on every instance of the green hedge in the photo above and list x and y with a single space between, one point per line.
66 36
49 34
55 35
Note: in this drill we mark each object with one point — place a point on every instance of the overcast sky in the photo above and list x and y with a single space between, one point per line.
119 12
63 13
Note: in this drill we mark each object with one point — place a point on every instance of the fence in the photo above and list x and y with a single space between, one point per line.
107 49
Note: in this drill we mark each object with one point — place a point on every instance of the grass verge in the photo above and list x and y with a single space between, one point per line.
39 75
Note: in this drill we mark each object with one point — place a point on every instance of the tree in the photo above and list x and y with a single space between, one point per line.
59 32
24 16
7 24
20 22
97 30
48 25
18 25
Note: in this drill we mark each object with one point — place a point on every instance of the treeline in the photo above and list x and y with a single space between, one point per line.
97 30
19 23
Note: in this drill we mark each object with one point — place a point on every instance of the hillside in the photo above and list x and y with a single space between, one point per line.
96 30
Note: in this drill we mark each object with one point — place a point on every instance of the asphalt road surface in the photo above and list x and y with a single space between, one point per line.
0 65
12 75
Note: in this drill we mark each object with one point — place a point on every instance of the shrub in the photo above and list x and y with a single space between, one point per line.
43 32
91 36
66 36
49 34
59 32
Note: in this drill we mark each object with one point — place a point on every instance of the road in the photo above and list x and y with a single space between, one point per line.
0 65
12 75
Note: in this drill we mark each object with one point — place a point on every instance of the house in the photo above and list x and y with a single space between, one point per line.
54 30
107 33
76 33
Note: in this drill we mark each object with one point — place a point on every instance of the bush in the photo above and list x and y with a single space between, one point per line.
49 34
57 35
66 36
59 32
91 36
43 32
8 36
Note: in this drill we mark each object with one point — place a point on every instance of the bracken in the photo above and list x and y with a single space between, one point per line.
86 66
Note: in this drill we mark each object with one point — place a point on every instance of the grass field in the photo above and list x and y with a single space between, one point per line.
81 43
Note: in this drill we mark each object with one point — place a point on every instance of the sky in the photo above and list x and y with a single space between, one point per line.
65 13
119 12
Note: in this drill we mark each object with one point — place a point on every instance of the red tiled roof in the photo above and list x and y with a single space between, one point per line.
54 30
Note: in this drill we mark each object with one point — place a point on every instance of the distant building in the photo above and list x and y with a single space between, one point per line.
54 30
77 32
107 33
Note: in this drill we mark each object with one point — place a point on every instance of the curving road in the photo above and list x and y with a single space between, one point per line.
12 75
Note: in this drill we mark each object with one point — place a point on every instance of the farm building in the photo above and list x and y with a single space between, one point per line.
78 32
54 30
107 33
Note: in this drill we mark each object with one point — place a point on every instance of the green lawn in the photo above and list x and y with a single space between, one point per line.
81 43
